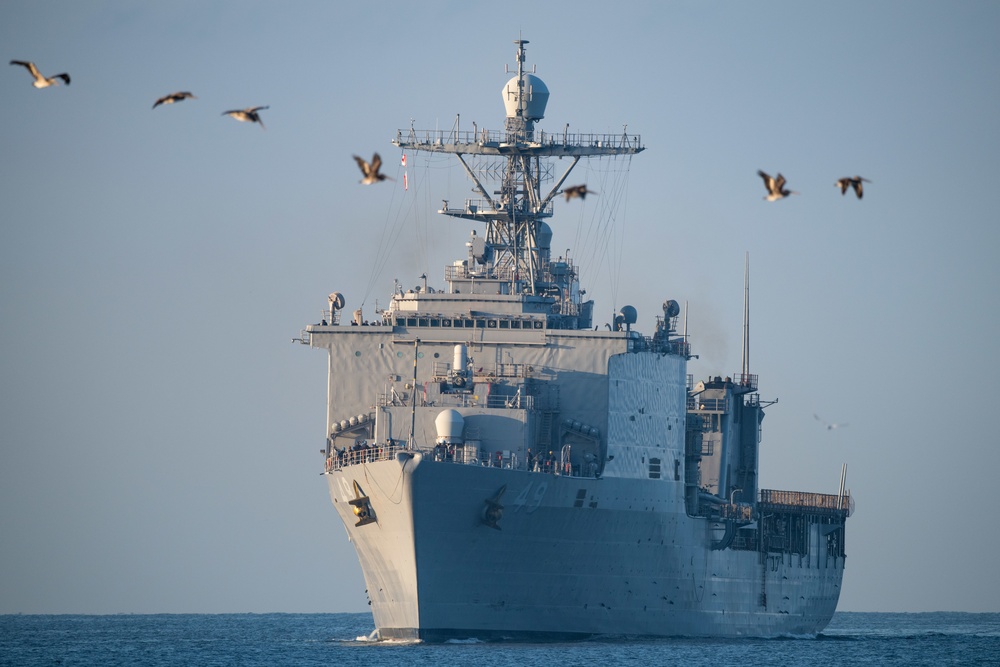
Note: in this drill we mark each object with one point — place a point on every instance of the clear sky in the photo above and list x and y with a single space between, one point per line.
159 432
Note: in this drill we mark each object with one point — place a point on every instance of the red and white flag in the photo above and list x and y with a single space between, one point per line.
406 184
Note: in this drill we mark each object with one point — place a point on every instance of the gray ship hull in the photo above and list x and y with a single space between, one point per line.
570 557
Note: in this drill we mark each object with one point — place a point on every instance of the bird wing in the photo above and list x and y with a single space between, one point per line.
31 67
858 188
256 109
365 169
842 184
768 181
64 76
161 101
779 182
376 163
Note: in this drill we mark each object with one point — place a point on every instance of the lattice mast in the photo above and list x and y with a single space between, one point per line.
515 210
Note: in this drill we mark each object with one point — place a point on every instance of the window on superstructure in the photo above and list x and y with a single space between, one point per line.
411 321
516 324
468 324
654 468
400 322
435 323
459 323
423 322
446 323
504 324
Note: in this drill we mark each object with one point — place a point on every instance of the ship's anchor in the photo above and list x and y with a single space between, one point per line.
493 511
362 507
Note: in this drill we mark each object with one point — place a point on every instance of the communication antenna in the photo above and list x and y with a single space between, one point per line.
746 315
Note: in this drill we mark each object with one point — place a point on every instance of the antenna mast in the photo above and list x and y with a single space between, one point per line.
746 315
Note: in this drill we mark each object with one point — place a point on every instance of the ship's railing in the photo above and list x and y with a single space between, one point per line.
429 139
805 500
677 346
550 463
362 454
462 272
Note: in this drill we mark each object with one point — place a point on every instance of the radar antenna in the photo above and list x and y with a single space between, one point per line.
514 255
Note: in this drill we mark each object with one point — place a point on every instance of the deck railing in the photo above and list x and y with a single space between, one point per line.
803 499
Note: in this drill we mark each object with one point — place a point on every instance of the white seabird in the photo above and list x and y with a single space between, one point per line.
248 115
173 97
371 170
855 183
580 191
775 187
41 81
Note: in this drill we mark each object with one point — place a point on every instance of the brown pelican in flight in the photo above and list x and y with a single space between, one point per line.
775 187
580 191
41 81
371 170
248 115
848 182
174 97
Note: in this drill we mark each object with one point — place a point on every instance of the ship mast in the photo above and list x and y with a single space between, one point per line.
513 255
746 316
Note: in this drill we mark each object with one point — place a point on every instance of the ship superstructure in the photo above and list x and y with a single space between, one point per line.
505 469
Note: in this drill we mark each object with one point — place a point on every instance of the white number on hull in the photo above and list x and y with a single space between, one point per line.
535 501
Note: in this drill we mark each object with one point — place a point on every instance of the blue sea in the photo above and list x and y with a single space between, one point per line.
171 640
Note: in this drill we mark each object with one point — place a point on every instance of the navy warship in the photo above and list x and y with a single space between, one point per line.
505 469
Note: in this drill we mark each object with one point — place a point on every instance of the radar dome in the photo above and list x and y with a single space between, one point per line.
536 96
628 314
543 237
449 425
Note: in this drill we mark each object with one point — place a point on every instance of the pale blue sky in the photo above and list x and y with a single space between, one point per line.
159 433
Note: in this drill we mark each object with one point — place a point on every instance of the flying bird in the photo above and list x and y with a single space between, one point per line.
775 187
248 115
174 97
848 182
41 81
371 170
829 427
580 191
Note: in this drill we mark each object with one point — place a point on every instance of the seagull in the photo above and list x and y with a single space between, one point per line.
775 187
829 427
580 191
248 115
173 97
371 171
41 81
855 183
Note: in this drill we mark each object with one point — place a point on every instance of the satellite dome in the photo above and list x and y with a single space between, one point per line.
536 96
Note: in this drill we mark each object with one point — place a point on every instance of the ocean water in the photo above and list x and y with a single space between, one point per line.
274 640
